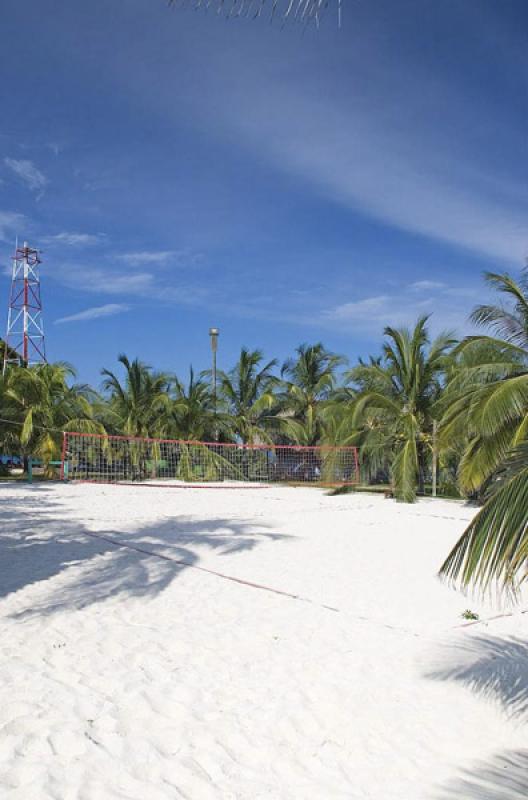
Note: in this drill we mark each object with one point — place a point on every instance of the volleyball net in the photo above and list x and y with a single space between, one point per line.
98 458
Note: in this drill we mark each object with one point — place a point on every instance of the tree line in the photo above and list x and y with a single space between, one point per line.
459 407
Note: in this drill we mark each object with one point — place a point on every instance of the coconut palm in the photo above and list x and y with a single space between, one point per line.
395 406
193 410
246 394
139 406
486 403
491 401
43 403
309 382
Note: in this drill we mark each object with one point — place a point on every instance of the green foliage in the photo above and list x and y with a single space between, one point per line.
39 403
205 465
192 414
494 547
470 615
307 393
394 409
484 410
141 405
247 400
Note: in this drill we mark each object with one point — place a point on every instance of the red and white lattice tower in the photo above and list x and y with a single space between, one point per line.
24 342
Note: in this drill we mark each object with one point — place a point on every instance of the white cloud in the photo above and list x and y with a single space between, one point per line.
147 257
373 313
368 156
109 281
448 310
28 173
424 286
358 310
105 281
76 239
372 173
10 224
55 147
160 258
108 310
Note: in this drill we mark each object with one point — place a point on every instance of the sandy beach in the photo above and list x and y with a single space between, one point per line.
246 644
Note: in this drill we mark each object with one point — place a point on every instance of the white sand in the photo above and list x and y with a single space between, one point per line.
125 675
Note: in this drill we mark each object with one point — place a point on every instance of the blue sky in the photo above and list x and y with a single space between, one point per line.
179 171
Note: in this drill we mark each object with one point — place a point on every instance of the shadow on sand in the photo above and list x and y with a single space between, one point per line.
496 669
493 667
504 777
37 543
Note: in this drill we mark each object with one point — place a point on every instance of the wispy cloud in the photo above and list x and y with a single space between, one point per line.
160 258
448 309
374 169
109 281
76 239
28 173
10 224
104 281
384 155
108 310
147 257
424 286
359 311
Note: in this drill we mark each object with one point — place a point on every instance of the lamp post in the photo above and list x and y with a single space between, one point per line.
214 333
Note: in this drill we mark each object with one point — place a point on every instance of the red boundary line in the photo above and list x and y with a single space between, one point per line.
486 620
182 563
241 485
131 484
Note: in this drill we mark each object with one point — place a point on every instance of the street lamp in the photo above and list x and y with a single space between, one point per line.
214 333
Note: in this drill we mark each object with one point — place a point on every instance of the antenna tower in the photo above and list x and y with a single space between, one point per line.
24 343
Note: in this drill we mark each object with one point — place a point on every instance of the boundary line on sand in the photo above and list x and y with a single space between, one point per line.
182 563
487 620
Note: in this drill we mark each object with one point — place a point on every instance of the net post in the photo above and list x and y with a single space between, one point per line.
356 459
64 466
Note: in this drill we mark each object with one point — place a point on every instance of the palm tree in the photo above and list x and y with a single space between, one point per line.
44 405
309 381
246 394
492 402
486 402
140 405
395 406
193 410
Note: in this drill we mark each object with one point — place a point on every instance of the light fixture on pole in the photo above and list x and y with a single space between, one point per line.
214 333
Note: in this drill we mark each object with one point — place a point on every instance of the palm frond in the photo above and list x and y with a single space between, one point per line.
303 11
482 457
494 546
